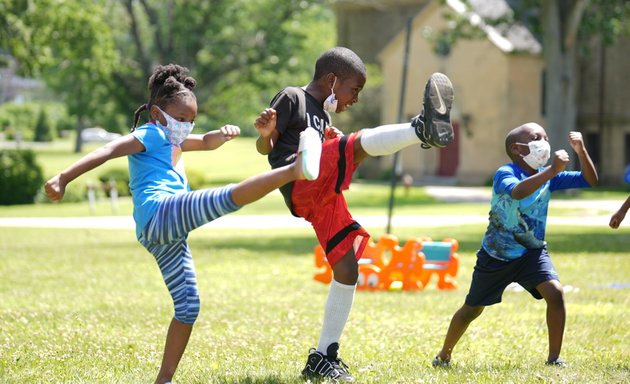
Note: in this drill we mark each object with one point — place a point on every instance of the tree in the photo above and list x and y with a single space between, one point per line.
98 55
238 50
43 127
68 44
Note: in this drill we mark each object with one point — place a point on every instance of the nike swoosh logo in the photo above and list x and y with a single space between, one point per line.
442 108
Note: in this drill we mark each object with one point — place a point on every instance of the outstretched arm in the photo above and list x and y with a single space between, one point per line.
618 216
211 140
586 164
266 126
126 145
532 183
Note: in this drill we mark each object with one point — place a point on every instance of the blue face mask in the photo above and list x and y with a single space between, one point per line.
176 131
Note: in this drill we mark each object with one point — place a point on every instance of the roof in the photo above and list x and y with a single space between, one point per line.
508 37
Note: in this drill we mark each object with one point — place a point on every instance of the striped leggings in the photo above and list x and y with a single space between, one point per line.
165 236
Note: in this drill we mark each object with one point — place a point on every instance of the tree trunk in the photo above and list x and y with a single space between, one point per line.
78 142
561 21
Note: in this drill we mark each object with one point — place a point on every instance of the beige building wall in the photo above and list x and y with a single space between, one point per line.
494 92
379 20
603 107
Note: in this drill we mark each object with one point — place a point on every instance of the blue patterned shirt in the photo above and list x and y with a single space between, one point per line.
518 225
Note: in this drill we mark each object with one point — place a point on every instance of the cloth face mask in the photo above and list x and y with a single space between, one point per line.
330 104
539 153
176 131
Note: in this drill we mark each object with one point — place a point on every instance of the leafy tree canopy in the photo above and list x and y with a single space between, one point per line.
99 55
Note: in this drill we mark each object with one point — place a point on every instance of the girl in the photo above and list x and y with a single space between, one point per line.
165 211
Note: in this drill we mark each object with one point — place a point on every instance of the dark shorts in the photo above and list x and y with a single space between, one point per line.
491 276
322 203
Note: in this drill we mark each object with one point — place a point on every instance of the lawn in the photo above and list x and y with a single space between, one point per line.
238 160
88 306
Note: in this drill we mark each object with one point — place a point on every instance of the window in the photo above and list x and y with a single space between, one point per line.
591 140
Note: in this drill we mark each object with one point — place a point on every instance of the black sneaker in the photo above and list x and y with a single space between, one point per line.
433 125
327 367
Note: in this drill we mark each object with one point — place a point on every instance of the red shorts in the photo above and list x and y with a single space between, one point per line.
322 203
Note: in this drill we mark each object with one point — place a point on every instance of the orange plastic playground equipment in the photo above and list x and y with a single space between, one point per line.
409 267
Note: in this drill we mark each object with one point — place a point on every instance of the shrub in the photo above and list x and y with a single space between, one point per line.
120 177
196 179
43 127
21 177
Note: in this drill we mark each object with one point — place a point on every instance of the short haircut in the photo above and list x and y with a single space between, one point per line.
341 61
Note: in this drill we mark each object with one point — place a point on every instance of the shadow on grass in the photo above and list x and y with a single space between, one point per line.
586 240
571 240
275 245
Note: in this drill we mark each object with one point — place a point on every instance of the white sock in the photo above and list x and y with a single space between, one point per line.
388 139
336 314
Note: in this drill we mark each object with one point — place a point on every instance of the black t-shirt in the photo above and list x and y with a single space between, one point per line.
296 110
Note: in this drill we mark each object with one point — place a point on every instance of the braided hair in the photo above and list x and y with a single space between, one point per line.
167 83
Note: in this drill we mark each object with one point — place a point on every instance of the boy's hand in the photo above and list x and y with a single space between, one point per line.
616 219
230 131
332 133
55 188
560 161
266 122
576 141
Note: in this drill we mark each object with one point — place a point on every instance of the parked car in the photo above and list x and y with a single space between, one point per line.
97 134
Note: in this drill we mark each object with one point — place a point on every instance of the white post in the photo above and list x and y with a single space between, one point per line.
91 193
113 194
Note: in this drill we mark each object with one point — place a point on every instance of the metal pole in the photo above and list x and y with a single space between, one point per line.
403 90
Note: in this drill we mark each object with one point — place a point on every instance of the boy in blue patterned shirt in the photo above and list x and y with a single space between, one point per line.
514 247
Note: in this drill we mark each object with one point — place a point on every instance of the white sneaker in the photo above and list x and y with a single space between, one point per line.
310 149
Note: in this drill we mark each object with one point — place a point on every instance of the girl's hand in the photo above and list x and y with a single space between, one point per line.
55 188
332 133
230 131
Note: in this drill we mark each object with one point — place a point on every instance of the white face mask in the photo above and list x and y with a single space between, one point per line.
539 153
176 131
330 104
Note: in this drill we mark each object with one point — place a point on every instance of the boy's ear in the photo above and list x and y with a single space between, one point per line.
514 151
330 79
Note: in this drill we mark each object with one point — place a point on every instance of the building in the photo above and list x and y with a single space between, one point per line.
498 81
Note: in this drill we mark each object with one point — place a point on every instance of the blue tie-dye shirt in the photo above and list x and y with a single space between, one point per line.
518 225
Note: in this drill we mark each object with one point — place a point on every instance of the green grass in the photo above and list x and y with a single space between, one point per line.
88 306
238 160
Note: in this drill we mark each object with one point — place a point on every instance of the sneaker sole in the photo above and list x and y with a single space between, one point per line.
438 100
310 149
